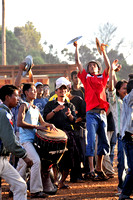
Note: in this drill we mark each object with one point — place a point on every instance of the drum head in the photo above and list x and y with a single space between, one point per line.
29 61
52 134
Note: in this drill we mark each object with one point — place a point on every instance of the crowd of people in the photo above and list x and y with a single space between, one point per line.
93 109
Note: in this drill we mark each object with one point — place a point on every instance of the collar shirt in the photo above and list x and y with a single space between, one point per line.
94 85
60 120
80 92
116 104
7 135
127 114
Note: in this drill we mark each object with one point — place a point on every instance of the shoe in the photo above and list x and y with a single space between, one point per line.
78 180
101 176
64 187
52 191
10 193
110 175
38 195
127 198
89 176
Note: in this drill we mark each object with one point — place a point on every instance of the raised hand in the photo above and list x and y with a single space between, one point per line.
68 113
102 47
59 107
116 66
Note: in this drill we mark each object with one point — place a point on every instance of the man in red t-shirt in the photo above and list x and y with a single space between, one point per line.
96 108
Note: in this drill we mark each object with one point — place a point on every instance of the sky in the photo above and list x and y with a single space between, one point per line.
59 21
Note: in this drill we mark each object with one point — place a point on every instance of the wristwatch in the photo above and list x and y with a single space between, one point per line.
53 111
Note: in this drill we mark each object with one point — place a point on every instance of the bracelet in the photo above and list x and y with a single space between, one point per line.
53 111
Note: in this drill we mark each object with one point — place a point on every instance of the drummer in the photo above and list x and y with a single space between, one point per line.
28 118
61 113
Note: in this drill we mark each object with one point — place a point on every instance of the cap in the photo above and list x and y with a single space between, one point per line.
62 81
38 83
98 64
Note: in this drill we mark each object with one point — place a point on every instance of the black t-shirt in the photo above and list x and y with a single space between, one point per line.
79 92
60 120
80 106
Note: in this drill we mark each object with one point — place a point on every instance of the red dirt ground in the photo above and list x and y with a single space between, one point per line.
81 191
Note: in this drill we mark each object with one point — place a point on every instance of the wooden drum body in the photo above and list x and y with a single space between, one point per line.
50 145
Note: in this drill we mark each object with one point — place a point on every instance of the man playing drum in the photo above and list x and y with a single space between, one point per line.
28 118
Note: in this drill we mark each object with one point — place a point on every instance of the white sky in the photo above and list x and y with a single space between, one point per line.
59 21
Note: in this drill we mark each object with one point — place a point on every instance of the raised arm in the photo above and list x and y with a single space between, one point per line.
77 61
115 67
21 117
106 59
31 79
19 75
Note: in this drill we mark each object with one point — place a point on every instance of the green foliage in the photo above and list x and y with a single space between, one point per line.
14 49
26 41
28 36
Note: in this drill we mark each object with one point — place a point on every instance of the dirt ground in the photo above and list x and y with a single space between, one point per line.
81 191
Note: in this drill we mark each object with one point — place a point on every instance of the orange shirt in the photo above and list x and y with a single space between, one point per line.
94 90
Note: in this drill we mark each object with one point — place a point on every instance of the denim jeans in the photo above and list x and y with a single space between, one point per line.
122 163
128 183
96 123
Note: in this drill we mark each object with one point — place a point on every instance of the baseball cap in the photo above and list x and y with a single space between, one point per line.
38 83
62 81
98 64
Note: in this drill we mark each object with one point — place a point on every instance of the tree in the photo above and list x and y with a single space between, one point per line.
29 37
15 50
85 54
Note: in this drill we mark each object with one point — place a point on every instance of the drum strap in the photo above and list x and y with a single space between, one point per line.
62 154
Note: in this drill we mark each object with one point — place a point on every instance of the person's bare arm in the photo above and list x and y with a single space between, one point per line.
52 113
19 75
106 59
45 124
77 60
31 79
115 67
21 117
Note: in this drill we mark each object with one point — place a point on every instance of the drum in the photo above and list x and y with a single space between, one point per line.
50 144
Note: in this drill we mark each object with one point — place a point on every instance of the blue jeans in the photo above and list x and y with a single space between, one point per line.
96 123
128 183
122 163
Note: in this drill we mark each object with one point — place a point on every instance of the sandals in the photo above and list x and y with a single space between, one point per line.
38 195
101 176
64 187
89 176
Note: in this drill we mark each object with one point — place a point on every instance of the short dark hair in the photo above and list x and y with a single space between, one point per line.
45 85
27 86
119 85
73 73
98 65
130 76
129 86
7 90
